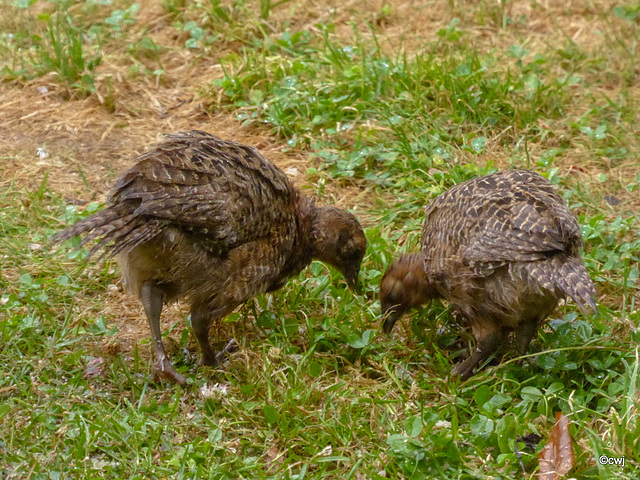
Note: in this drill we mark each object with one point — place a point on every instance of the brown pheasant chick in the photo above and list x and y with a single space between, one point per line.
501 250
215 223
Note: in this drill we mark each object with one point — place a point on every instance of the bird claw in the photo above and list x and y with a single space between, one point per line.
462 371
163 369
213 360
231 347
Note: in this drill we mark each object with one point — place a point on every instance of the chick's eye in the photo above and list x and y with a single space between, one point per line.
343 237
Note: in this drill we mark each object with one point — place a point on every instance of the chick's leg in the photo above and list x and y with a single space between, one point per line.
488 338
201 320
247 276
524 334
152 297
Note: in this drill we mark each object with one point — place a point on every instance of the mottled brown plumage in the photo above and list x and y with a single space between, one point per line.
502 250
214 222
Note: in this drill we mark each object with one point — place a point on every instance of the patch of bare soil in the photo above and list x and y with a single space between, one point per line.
83 147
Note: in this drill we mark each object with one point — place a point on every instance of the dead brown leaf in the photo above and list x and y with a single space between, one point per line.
557 457
94 368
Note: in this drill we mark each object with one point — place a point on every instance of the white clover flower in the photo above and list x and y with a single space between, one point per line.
215 392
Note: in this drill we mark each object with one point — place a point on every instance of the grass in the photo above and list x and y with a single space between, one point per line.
316 391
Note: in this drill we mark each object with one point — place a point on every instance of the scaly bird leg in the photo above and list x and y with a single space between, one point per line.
488 338
201 319
524 334
151 297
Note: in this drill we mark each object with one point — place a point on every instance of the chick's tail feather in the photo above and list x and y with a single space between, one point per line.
568 274
111 226
572 278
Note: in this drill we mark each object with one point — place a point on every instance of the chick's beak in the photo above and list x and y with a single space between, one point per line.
351 276
390 315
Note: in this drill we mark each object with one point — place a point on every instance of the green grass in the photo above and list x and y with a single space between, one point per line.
316 390
56 45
